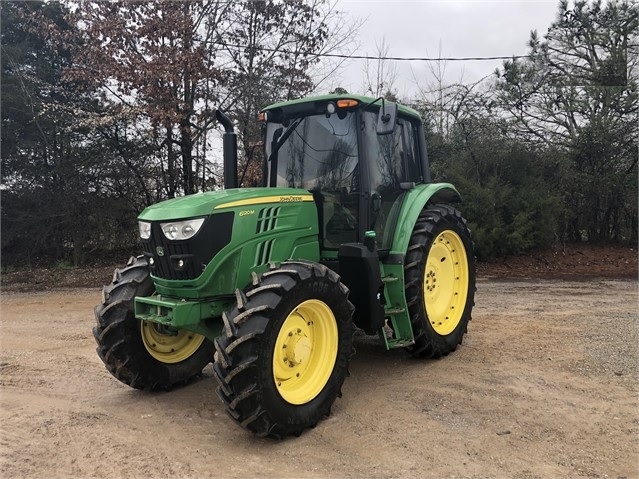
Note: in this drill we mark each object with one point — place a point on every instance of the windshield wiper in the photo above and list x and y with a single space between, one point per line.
278 142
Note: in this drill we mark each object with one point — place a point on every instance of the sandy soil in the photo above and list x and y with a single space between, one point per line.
545 385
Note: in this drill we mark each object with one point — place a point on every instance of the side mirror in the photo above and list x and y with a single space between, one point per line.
387 118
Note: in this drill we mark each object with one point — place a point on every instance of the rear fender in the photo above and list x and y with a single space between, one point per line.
393 265
412 206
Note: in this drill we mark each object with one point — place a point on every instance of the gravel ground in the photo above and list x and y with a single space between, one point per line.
544 386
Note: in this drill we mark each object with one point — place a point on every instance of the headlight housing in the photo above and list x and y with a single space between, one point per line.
145 229
181 230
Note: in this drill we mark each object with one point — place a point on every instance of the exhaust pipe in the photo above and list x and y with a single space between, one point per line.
229 144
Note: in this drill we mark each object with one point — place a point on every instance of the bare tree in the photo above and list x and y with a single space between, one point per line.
380 75
274 51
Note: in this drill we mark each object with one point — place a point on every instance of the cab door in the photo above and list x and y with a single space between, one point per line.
393 168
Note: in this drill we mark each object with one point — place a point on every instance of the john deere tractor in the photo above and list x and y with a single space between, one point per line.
270 283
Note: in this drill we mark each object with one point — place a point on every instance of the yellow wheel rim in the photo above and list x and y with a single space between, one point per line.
167 345
446 278
305 352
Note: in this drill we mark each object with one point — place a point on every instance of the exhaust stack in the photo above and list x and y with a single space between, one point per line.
229 144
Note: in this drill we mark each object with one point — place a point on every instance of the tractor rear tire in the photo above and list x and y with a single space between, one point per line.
439 270
285 350
139 353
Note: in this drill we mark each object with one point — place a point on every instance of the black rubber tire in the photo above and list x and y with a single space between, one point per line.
119 338
244 352
432 221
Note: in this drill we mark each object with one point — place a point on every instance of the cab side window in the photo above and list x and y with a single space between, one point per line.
411 159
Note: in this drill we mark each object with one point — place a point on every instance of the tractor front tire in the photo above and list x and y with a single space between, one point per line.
285 350
439 270
139 353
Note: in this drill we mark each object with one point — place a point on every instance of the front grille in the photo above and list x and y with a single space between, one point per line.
186 259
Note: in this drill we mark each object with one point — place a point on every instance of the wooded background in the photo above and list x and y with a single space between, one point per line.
108 107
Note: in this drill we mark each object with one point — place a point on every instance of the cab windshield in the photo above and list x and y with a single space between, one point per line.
318 153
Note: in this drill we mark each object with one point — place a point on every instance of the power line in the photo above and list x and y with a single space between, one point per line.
425 59
367 57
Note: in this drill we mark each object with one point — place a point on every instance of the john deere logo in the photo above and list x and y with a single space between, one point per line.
290 199
160 251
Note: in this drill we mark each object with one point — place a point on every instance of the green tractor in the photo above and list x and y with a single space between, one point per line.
269 283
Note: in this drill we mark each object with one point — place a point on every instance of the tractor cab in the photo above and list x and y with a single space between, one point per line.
356 155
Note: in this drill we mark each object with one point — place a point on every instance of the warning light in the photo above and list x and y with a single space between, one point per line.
347 103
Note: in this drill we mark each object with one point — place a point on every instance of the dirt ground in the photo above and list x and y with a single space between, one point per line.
544 385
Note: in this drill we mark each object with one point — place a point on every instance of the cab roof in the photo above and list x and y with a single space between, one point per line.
322 99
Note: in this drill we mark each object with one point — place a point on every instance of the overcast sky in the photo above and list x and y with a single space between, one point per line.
463 28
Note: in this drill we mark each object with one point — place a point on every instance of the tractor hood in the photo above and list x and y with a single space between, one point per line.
204 204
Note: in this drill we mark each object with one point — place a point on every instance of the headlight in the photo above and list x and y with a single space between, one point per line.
182 230
145 229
